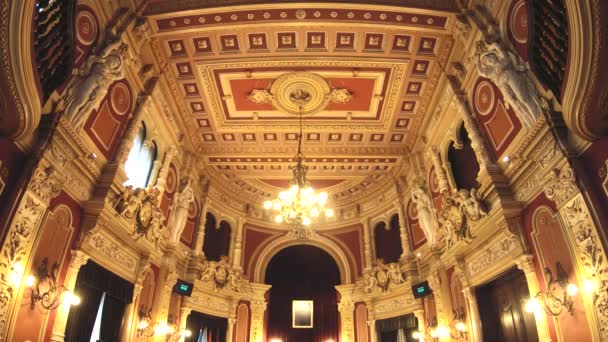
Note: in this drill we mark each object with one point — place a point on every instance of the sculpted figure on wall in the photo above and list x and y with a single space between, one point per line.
221 275
142 209
426 214
382 275
179 214
509 75
459 209
93 80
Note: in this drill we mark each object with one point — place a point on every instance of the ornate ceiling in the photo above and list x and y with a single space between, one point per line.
234 67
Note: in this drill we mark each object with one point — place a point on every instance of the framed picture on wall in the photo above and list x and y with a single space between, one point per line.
301 314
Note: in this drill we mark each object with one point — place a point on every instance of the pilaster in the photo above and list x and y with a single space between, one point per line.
78 259
367 248
526 264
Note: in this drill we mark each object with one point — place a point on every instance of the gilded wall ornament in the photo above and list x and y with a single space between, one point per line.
142 209
221 275
382 275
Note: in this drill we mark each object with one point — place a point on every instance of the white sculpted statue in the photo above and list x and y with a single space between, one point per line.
509 75
179 214
426 215
93 80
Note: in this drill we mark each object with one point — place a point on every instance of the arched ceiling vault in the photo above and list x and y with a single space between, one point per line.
388 58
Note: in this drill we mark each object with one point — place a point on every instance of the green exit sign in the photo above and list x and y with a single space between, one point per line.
184 287
420 289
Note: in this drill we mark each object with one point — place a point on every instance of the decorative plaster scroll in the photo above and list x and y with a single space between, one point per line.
492 254
590 254
113 251
399 304
459 209
45 184
221 275
561 186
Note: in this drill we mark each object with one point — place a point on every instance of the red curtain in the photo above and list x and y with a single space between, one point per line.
303 273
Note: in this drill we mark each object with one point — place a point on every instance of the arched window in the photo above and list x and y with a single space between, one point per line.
387 240
140 161
463 162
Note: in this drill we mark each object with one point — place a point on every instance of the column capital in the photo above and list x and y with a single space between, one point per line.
526 263
78 258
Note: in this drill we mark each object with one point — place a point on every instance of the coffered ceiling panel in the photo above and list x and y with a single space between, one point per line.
371 71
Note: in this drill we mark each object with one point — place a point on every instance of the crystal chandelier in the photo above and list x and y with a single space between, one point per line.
300 205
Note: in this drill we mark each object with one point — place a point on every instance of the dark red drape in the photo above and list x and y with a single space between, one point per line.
303 273
388 241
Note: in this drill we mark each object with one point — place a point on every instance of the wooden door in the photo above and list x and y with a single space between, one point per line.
501 308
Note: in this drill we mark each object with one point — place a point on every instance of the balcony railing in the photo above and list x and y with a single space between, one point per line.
53 43
548 42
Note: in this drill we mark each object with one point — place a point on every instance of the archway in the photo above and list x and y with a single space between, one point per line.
303 272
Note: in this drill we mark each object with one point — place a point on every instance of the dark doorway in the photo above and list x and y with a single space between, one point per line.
206 328
501 308
303 273
397 329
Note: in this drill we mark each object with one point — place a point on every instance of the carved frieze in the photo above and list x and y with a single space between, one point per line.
393 305
221 275
113 251
492 254
381 276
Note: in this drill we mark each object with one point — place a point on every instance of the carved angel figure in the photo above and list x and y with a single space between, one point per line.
394 273
209 272
132 203
234 278
370 283
509 75
179 214
93 80
471 204
426 214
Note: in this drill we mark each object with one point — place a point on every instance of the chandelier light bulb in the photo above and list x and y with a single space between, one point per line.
278 219
277 206
571 289
267 205
306 221
314 212
329 213
323 198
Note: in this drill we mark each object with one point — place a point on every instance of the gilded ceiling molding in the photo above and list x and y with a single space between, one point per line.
18 83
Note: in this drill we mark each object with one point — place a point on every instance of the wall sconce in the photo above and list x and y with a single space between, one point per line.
145 329
550 300
457 331
44 289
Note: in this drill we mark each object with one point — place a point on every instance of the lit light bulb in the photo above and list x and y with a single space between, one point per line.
30 280
322 198
294 189
71 299
533 305
307 192
443 331
590 285
278 219
267 205
571 289
460 326
306 221
434 333
329 213
416 335
187 333
292 214
143 324
14 276
283 195
314 212
277 206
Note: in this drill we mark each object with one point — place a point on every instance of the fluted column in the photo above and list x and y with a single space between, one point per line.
184 312
238 244
161 180
77 260
443 303
477 139
442 176
421 323
475 333
200 234
526 264
405 241
367 248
